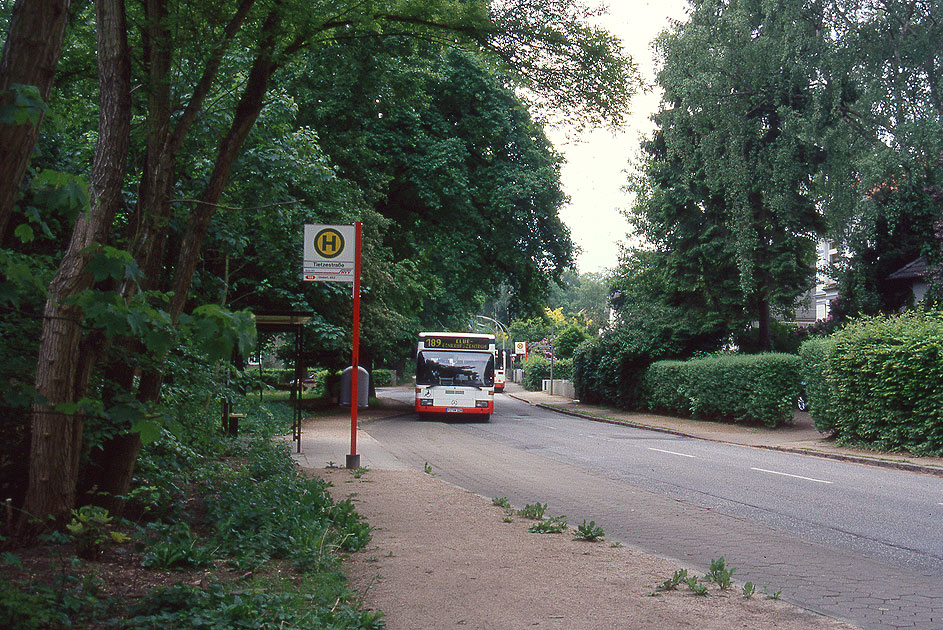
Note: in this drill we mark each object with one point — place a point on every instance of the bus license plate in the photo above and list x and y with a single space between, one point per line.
454 410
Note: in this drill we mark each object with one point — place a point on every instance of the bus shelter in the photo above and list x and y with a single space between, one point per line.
289 322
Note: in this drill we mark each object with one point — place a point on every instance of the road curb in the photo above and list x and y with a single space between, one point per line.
855 459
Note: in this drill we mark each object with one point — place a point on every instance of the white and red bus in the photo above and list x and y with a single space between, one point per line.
501 362
455 374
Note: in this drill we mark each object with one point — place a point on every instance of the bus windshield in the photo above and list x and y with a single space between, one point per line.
444 367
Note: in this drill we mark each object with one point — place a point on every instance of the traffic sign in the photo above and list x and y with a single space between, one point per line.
329 254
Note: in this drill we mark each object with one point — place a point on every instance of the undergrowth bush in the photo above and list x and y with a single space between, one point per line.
758 388
290 607
609 369
205 501
382 377
267 510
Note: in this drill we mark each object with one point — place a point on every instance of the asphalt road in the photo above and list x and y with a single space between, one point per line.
858 542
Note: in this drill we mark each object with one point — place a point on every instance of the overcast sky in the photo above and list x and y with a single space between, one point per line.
596 168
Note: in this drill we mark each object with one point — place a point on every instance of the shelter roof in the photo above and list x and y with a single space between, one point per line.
281 321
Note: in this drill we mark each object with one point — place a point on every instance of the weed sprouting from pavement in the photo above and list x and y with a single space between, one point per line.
550 525
773 595
589 532
533 510
719 574
697 587
672 584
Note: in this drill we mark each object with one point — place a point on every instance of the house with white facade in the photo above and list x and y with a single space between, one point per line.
916 274
826 287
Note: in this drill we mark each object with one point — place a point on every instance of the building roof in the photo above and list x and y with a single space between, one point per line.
915 269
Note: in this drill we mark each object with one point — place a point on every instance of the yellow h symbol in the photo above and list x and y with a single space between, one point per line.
329 243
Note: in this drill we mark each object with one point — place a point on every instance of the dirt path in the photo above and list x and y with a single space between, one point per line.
442 557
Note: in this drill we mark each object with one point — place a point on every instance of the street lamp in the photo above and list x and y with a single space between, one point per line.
504 338
503 328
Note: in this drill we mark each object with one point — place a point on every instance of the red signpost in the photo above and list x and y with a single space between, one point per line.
327 258
353 459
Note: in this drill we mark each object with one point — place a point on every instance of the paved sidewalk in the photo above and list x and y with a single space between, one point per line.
800 437
325 441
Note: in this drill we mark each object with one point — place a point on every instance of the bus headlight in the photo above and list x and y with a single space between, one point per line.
481 403
425 402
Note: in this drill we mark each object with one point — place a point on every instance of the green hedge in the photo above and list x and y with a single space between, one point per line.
273 377
814 357
537 368
609 371
281 378
738 388
321 378
382 378
885 378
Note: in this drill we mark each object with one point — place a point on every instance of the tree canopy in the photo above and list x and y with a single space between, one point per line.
221 128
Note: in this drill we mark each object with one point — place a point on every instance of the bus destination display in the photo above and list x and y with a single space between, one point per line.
457 343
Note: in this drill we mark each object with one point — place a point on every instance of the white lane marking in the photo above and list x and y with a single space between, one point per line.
671 452
773 472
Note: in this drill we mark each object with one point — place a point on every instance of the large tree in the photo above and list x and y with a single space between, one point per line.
690 257
466 181
584 296
57 435
732 167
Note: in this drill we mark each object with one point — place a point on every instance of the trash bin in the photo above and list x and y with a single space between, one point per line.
363 387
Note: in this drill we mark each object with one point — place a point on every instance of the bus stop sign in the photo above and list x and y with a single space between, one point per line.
329 254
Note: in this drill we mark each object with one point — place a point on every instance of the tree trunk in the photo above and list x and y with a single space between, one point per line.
111 470
164 140
66 360
120 455
764 332
30 56
250 105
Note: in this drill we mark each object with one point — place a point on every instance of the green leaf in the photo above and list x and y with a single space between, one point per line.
10 559
111 262
25 233
128 412
27 107
62 192
149 430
